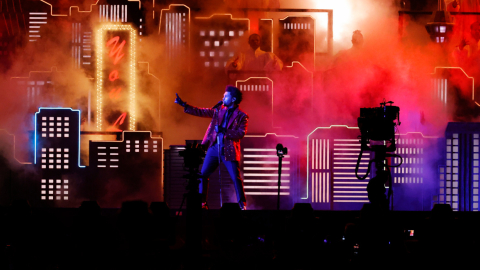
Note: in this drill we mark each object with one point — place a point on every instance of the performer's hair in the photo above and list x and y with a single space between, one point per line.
234 92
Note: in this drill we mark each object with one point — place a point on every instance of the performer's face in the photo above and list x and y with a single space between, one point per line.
228 100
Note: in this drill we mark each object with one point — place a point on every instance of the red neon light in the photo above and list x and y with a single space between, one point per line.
115 93
119 122
113 75
116 51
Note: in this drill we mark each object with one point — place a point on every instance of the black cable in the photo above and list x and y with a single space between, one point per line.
390 189
395 155
358 165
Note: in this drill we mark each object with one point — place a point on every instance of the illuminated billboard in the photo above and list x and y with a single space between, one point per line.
116 82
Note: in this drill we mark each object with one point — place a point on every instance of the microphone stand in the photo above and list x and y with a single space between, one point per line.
219 150
280 158
219 169
281 151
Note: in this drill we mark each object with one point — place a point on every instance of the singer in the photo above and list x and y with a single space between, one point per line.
222 139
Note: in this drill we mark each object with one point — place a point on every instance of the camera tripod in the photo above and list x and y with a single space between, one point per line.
376 186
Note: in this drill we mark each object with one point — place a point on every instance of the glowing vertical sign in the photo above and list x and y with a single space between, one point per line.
116 82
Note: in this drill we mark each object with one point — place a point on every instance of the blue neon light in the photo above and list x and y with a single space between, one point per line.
35 139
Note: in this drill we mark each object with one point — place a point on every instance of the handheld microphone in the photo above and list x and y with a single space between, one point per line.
218 104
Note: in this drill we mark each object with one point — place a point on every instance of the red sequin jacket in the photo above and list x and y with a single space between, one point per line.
236 128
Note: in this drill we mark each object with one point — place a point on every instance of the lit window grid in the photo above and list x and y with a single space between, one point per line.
218 55
55 127
176 32
442 183
55 157
414 141
440 91
437 85
260 172
320 187
115 14
451 172
244 83
185 30
346 187
475 171
320 172
36 19
297 26
411 170
100 44
36 130
344 162
54 189
307 187
455 175
209 39
137 146
290 27
255 87
107 156
215 48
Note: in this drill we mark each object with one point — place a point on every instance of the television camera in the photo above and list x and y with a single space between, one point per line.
377 128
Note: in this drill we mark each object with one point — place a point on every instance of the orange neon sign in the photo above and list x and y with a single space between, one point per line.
116 51
116 54
116 61
119 122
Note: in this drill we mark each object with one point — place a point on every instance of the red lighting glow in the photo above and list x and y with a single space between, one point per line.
113 75
118 123
115 93
116 51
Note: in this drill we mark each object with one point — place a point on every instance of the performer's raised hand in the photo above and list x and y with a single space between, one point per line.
179 101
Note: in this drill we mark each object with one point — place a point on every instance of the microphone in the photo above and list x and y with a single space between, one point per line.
218 104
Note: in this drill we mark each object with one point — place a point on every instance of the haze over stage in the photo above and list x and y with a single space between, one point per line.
91 174
117 65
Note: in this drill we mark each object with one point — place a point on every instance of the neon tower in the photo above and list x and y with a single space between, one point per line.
57 150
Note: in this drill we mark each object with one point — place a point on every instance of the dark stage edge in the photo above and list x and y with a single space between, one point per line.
62 238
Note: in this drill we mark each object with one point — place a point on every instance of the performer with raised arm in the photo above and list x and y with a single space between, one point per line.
222 139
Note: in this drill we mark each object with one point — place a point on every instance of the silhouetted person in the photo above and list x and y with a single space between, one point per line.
345 56
254 59
467 52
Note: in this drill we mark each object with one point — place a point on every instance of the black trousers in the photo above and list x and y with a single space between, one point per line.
211 164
